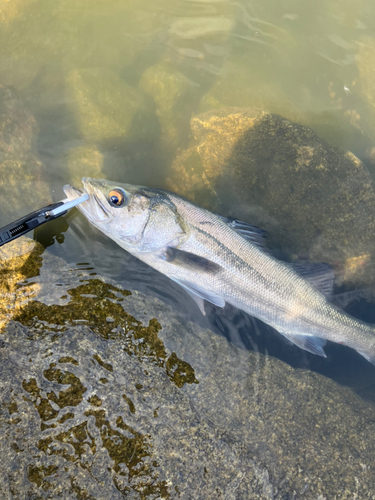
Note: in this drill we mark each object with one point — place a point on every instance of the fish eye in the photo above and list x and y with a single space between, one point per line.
117 197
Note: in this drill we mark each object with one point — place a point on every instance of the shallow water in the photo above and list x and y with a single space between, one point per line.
304 61
111 87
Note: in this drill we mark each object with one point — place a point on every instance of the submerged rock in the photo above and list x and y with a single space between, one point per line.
149 406
98 33
255 87
247 89
198 36
172 93
19 260
365 63
315 199
21 181
111 125
10 10
107 108
85 161
18 127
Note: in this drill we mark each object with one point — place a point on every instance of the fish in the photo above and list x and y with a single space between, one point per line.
223 261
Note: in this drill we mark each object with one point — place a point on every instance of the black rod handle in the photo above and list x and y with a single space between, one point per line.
22 226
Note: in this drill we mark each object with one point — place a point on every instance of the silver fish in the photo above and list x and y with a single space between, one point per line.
222 261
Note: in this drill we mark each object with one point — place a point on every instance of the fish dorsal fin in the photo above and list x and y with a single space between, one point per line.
199 294
251 233
308 343
320 275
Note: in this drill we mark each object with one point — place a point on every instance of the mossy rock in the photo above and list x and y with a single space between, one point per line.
365 87
105 106
19 260
316 200
37 33
85 161
239 84
18 127
110 393
11 10
366 68
172 93
22 181
187 178
247 82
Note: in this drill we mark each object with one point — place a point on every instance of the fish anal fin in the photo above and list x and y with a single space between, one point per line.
308 343
198 300
199 295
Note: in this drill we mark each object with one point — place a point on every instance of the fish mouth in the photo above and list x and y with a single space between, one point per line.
94 208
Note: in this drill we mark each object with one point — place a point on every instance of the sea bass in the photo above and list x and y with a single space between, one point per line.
222 261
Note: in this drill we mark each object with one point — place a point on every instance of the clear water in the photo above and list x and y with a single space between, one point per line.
303 60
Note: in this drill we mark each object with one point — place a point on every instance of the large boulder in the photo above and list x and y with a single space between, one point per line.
251 80
316 200
106 393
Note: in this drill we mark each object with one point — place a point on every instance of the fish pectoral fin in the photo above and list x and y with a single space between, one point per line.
190 261
308 343
199 295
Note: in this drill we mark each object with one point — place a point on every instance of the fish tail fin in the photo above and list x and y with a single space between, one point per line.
367 354
370 356
365 346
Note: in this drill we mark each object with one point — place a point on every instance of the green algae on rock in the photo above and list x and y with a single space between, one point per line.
134 469
19 260
93 302
321 197
252 426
